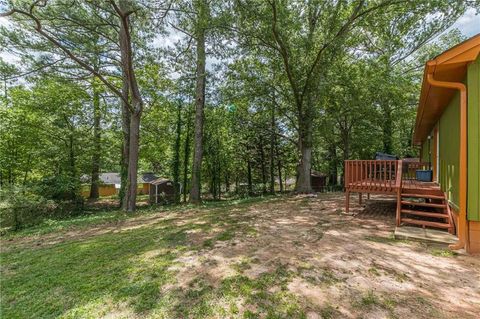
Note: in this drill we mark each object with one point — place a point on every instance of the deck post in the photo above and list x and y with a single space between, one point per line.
368 195
399 206
347 201
360 197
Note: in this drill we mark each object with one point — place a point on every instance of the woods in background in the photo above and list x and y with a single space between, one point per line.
222 97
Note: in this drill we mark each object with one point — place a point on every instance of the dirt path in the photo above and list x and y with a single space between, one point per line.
340 266
345 265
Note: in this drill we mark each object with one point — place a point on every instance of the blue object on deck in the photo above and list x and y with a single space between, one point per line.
424 175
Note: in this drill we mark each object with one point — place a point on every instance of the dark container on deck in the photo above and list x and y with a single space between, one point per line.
424 175
385 157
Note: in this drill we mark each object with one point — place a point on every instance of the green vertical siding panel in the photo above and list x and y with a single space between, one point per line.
425 151
473 90
449 137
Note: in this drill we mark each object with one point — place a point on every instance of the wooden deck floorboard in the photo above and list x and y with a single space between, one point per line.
408 186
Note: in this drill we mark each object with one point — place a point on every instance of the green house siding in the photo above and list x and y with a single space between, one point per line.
473 116
427 149
449 138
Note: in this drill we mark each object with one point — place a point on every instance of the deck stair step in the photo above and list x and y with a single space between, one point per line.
423 196
425 209
423 204
424 214
426 223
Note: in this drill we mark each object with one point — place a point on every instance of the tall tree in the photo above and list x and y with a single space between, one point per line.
43 14
201 25
307 37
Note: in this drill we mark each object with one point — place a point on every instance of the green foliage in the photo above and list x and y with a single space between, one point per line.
33 201
443 253
339 77
58 188
20 209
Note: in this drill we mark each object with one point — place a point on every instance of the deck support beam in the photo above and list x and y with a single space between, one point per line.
347 201
398 218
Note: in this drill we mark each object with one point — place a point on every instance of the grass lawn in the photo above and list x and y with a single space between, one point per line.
272 257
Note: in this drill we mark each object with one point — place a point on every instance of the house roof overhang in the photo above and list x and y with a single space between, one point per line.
450 66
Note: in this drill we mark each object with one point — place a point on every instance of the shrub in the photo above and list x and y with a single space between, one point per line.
59 187
21 208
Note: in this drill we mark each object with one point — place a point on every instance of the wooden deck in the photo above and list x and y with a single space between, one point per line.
418 203
416 187
407 186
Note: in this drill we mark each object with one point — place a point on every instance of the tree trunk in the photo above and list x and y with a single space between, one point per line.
280 181
136 105
176 159
279 166
218 171
94 193
227 183
332 163
133 161
125 144
303 170
387 128
304 167
250 186
186 158
71 155
262 165
195 192
272 148
72 162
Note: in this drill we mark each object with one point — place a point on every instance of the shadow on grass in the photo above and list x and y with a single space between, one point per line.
130 270
266 296
111 214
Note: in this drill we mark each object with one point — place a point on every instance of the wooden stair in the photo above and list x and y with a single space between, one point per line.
426 210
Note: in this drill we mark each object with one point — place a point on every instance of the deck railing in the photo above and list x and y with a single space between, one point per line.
409 169
383 176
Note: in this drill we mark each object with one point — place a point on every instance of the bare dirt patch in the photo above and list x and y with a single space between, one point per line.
336 265
349 264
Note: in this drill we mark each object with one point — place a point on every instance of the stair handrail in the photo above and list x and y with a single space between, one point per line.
451 220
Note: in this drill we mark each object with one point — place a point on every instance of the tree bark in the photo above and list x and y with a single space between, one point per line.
387 128
332 163
249 171
125 143
303 170
135 106
304 167
176 159
262 166
227 182
279 166
195 192
133 161
96 156
186 158
72 162
272 148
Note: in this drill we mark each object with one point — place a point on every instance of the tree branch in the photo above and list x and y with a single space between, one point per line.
70 54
